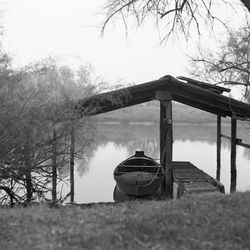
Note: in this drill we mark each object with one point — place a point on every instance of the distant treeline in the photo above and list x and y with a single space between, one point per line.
150 112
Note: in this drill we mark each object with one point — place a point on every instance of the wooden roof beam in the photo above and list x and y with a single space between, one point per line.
205 85
204 107
230 106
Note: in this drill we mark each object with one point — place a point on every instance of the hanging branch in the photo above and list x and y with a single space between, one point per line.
178 15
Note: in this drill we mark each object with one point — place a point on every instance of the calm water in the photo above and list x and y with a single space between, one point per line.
114 143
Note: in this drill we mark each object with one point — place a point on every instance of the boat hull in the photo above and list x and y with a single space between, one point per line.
138 189
119 196
139 176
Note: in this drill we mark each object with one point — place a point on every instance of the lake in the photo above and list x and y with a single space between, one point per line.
195 143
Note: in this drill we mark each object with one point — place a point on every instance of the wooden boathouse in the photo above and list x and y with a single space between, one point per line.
181 177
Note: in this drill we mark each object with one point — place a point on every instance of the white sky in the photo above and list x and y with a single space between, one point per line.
35 29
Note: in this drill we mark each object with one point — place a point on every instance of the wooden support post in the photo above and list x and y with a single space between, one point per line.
162 133
166 141
169 149
218 147
233 154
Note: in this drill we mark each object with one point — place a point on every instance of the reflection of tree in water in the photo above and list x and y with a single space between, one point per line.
195 133
242 133
131 137
149 146
146 138
83 161
246 153
84 148
87 147
226 144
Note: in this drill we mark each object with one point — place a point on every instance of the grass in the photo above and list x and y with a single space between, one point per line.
198 222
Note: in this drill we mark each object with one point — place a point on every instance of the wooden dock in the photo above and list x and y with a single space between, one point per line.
188 179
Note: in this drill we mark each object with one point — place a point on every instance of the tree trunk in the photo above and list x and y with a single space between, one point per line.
10 193
54 165
72 162
246 3
28 177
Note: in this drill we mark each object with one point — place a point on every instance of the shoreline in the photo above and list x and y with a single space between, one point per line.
178 123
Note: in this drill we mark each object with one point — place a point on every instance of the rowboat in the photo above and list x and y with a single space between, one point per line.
138 176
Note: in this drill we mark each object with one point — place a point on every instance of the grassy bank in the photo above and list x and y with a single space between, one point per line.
218 222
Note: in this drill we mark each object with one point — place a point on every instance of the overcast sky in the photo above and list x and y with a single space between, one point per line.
68 29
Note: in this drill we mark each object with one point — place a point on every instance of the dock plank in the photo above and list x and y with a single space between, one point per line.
190 179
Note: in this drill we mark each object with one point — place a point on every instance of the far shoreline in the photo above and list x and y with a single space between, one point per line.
178 123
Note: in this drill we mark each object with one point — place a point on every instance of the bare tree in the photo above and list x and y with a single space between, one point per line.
38 128
231 64
177 15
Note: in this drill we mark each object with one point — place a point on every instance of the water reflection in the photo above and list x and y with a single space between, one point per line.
114 143
98 184
83 162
